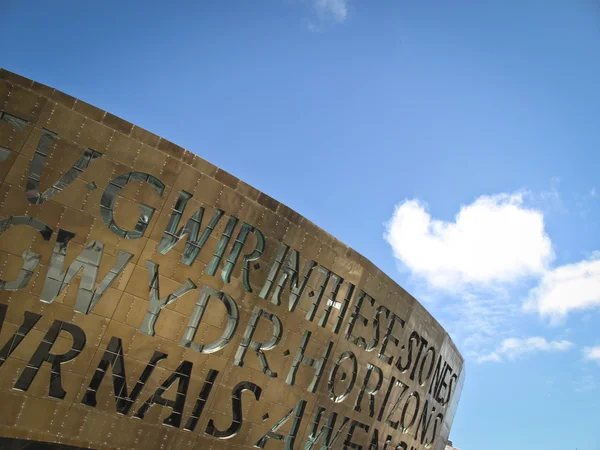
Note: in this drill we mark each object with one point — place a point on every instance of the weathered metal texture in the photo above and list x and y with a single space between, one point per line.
151 300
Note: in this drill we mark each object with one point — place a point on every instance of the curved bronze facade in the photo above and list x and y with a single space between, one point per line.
151 300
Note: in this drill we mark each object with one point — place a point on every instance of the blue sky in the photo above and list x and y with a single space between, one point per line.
455 144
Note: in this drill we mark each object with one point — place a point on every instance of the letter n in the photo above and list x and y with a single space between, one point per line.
113 356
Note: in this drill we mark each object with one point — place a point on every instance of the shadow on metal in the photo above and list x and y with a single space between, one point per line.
24 444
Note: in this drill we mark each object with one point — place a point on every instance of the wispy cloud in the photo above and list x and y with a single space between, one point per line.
586 202
478 321
335 9
567 288
585 384
491 242
513 348
547 200
592 353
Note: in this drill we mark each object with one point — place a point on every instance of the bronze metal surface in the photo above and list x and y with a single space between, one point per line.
149 299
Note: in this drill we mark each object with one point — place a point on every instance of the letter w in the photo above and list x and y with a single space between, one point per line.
29 320
88 261
325 431
172 236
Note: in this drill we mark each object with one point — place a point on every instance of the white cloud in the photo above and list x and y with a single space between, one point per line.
494 241
479 256
513 348
567 288
338 9
592 353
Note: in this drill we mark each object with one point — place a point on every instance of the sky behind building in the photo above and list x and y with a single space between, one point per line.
455 144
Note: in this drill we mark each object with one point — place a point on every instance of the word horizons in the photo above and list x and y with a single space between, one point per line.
419 368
